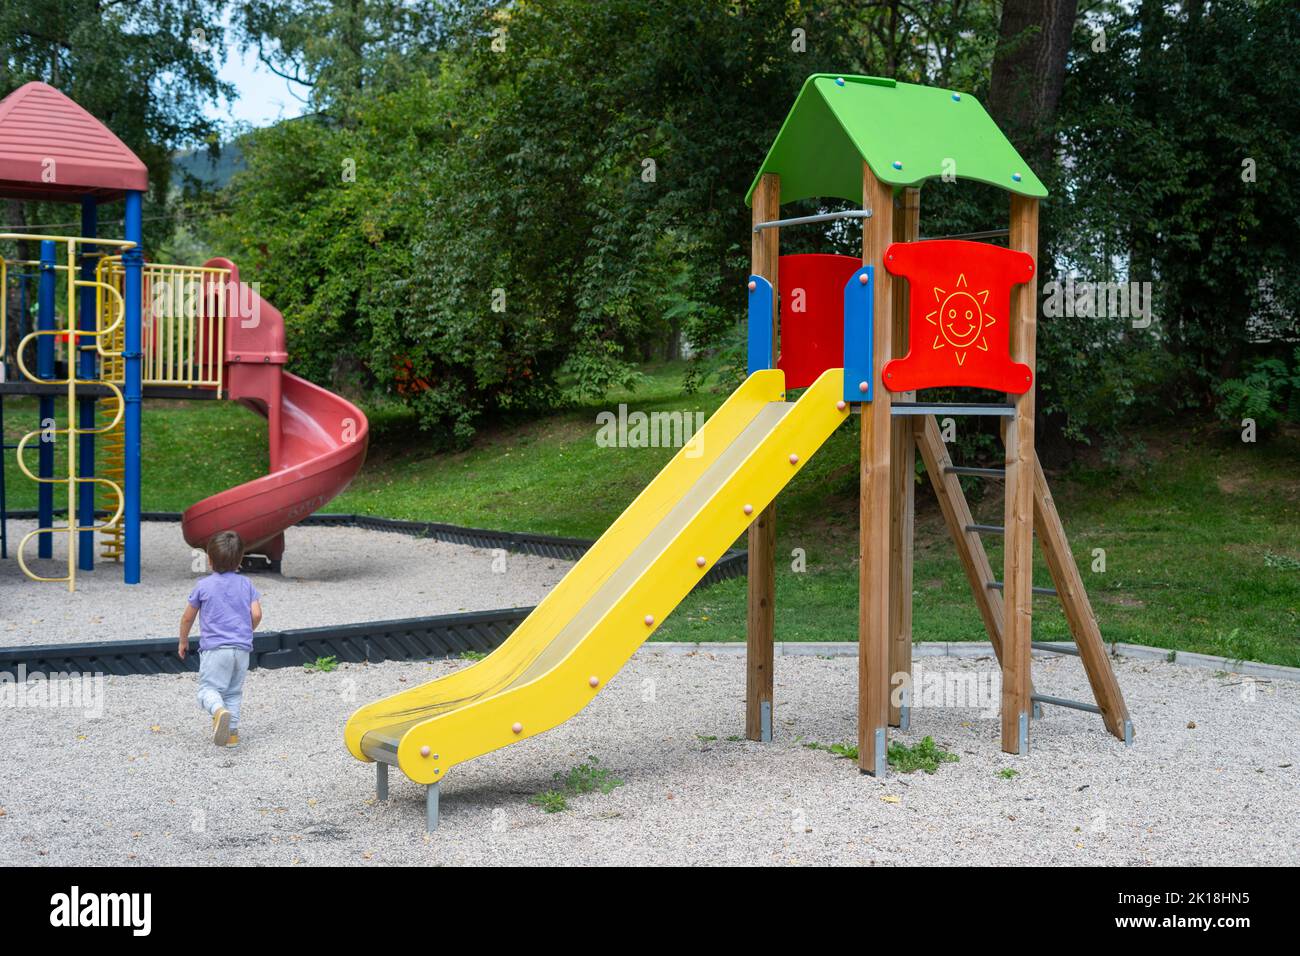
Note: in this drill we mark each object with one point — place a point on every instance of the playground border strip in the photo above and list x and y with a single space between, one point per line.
447 635
731 565
972 650
407 639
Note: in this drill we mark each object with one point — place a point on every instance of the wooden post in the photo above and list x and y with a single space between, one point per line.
902 496
1018 558
874 493
760 636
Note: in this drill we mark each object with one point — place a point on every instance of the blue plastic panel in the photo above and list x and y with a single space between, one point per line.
760 324
859 310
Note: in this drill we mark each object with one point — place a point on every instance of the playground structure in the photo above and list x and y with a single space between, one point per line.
128 330
856 341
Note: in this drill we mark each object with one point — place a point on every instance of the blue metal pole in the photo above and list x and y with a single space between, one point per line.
45 370
132 266
86 363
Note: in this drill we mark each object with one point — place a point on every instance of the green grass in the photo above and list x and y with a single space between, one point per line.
547 476
1201 543
1201 532
925 755
189 450
586 777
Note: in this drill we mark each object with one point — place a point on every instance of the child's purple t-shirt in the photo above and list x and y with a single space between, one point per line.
224 602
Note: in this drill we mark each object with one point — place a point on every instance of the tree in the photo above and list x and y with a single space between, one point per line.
1184 138
1029 73
146 69
337 50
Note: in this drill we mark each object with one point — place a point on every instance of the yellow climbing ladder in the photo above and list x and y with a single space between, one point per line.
183 321
111 447
106 340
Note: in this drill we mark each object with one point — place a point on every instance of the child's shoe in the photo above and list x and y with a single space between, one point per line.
221 727
234 739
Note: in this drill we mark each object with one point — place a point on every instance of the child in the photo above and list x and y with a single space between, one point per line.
231 609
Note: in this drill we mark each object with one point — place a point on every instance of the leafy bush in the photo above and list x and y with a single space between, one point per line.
1268 392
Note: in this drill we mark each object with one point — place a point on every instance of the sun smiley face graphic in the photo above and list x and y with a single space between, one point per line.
960 319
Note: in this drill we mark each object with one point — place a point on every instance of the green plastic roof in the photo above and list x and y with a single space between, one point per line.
904 132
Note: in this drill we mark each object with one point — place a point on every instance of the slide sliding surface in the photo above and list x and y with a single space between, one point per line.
613 599
317 440
323 439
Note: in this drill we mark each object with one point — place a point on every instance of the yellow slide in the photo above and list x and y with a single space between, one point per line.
587 628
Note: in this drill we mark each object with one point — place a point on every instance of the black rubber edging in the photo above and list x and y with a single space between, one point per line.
520 542
408 639
417 638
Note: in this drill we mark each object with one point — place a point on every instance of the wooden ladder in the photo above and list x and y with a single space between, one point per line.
1068 583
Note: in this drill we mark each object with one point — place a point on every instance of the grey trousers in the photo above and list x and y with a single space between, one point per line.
221 680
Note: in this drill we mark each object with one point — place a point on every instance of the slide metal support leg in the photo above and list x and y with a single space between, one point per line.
381 780
431 807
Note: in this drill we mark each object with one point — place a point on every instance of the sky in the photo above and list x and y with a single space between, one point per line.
262 97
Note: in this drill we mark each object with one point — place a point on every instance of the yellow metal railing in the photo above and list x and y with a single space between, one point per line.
183 331
110 449
182 322
73 335
5 266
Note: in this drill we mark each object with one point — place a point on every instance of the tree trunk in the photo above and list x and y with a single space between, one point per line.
1029 73
15 216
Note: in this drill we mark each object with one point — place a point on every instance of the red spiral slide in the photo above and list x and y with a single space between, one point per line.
317 439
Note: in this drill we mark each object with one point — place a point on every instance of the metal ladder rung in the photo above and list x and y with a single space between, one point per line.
1065 702
951 408
987 528
978 472
1071 649
997 586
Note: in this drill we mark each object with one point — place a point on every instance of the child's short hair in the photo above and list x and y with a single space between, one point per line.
225 551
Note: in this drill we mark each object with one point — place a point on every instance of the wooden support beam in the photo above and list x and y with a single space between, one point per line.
902 495
1078 610
874 493
760 635
1018 557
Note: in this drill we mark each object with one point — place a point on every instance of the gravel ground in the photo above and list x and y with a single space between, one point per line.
1214 777
331 576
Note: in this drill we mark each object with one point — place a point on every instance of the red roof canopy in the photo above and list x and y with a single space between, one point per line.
51 148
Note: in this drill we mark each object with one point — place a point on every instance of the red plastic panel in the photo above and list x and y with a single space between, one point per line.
959 328
812 314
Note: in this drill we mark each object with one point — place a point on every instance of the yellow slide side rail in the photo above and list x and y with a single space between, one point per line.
503 665
428 750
